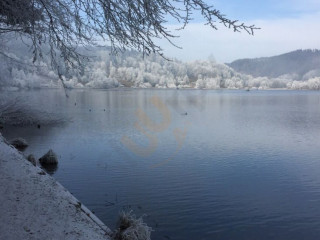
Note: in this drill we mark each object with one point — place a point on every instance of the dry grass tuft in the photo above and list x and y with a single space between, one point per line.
131 228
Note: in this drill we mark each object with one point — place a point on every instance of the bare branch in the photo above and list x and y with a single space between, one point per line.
136 24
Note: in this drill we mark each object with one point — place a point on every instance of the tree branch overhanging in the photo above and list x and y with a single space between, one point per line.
130 24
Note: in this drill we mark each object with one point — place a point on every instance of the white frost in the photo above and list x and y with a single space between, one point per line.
131 69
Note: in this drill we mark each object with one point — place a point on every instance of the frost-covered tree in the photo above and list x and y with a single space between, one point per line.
131 69
58 27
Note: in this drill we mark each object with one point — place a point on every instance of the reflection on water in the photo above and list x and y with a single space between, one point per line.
248 167
50 168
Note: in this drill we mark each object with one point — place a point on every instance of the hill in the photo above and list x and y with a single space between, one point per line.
299 65
132 69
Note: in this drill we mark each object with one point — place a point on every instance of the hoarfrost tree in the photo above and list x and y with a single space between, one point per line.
59 27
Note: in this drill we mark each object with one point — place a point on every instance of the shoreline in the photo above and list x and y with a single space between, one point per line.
35 206
17 89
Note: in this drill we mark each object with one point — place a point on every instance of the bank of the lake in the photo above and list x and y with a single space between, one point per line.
35 206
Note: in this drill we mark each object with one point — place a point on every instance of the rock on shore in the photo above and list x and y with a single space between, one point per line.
32 159
19 143
49 158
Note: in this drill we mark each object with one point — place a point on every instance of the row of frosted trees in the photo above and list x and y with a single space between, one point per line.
131 69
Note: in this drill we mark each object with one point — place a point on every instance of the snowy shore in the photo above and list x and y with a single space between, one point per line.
35 206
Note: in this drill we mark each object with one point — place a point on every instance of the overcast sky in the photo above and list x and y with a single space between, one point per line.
286 25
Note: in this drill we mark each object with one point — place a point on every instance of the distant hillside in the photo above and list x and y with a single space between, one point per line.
132 69
299 64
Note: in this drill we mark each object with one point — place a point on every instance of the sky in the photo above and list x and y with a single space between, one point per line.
286 25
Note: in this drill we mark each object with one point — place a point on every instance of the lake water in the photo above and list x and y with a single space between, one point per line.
215 164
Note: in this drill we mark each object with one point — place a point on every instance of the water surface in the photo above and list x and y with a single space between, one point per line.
239 165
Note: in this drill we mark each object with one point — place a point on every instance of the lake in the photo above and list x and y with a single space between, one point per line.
197 164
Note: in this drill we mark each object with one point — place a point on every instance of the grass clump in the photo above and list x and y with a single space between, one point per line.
130 227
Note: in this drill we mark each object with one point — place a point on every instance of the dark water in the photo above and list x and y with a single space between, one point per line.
239 165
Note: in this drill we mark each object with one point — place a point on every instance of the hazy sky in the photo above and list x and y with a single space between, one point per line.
286 25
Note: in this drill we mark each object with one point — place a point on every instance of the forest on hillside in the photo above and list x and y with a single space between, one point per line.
132 69
299 65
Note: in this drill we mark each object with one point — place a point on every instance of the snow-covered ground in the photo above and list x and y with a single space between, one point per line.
35 206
